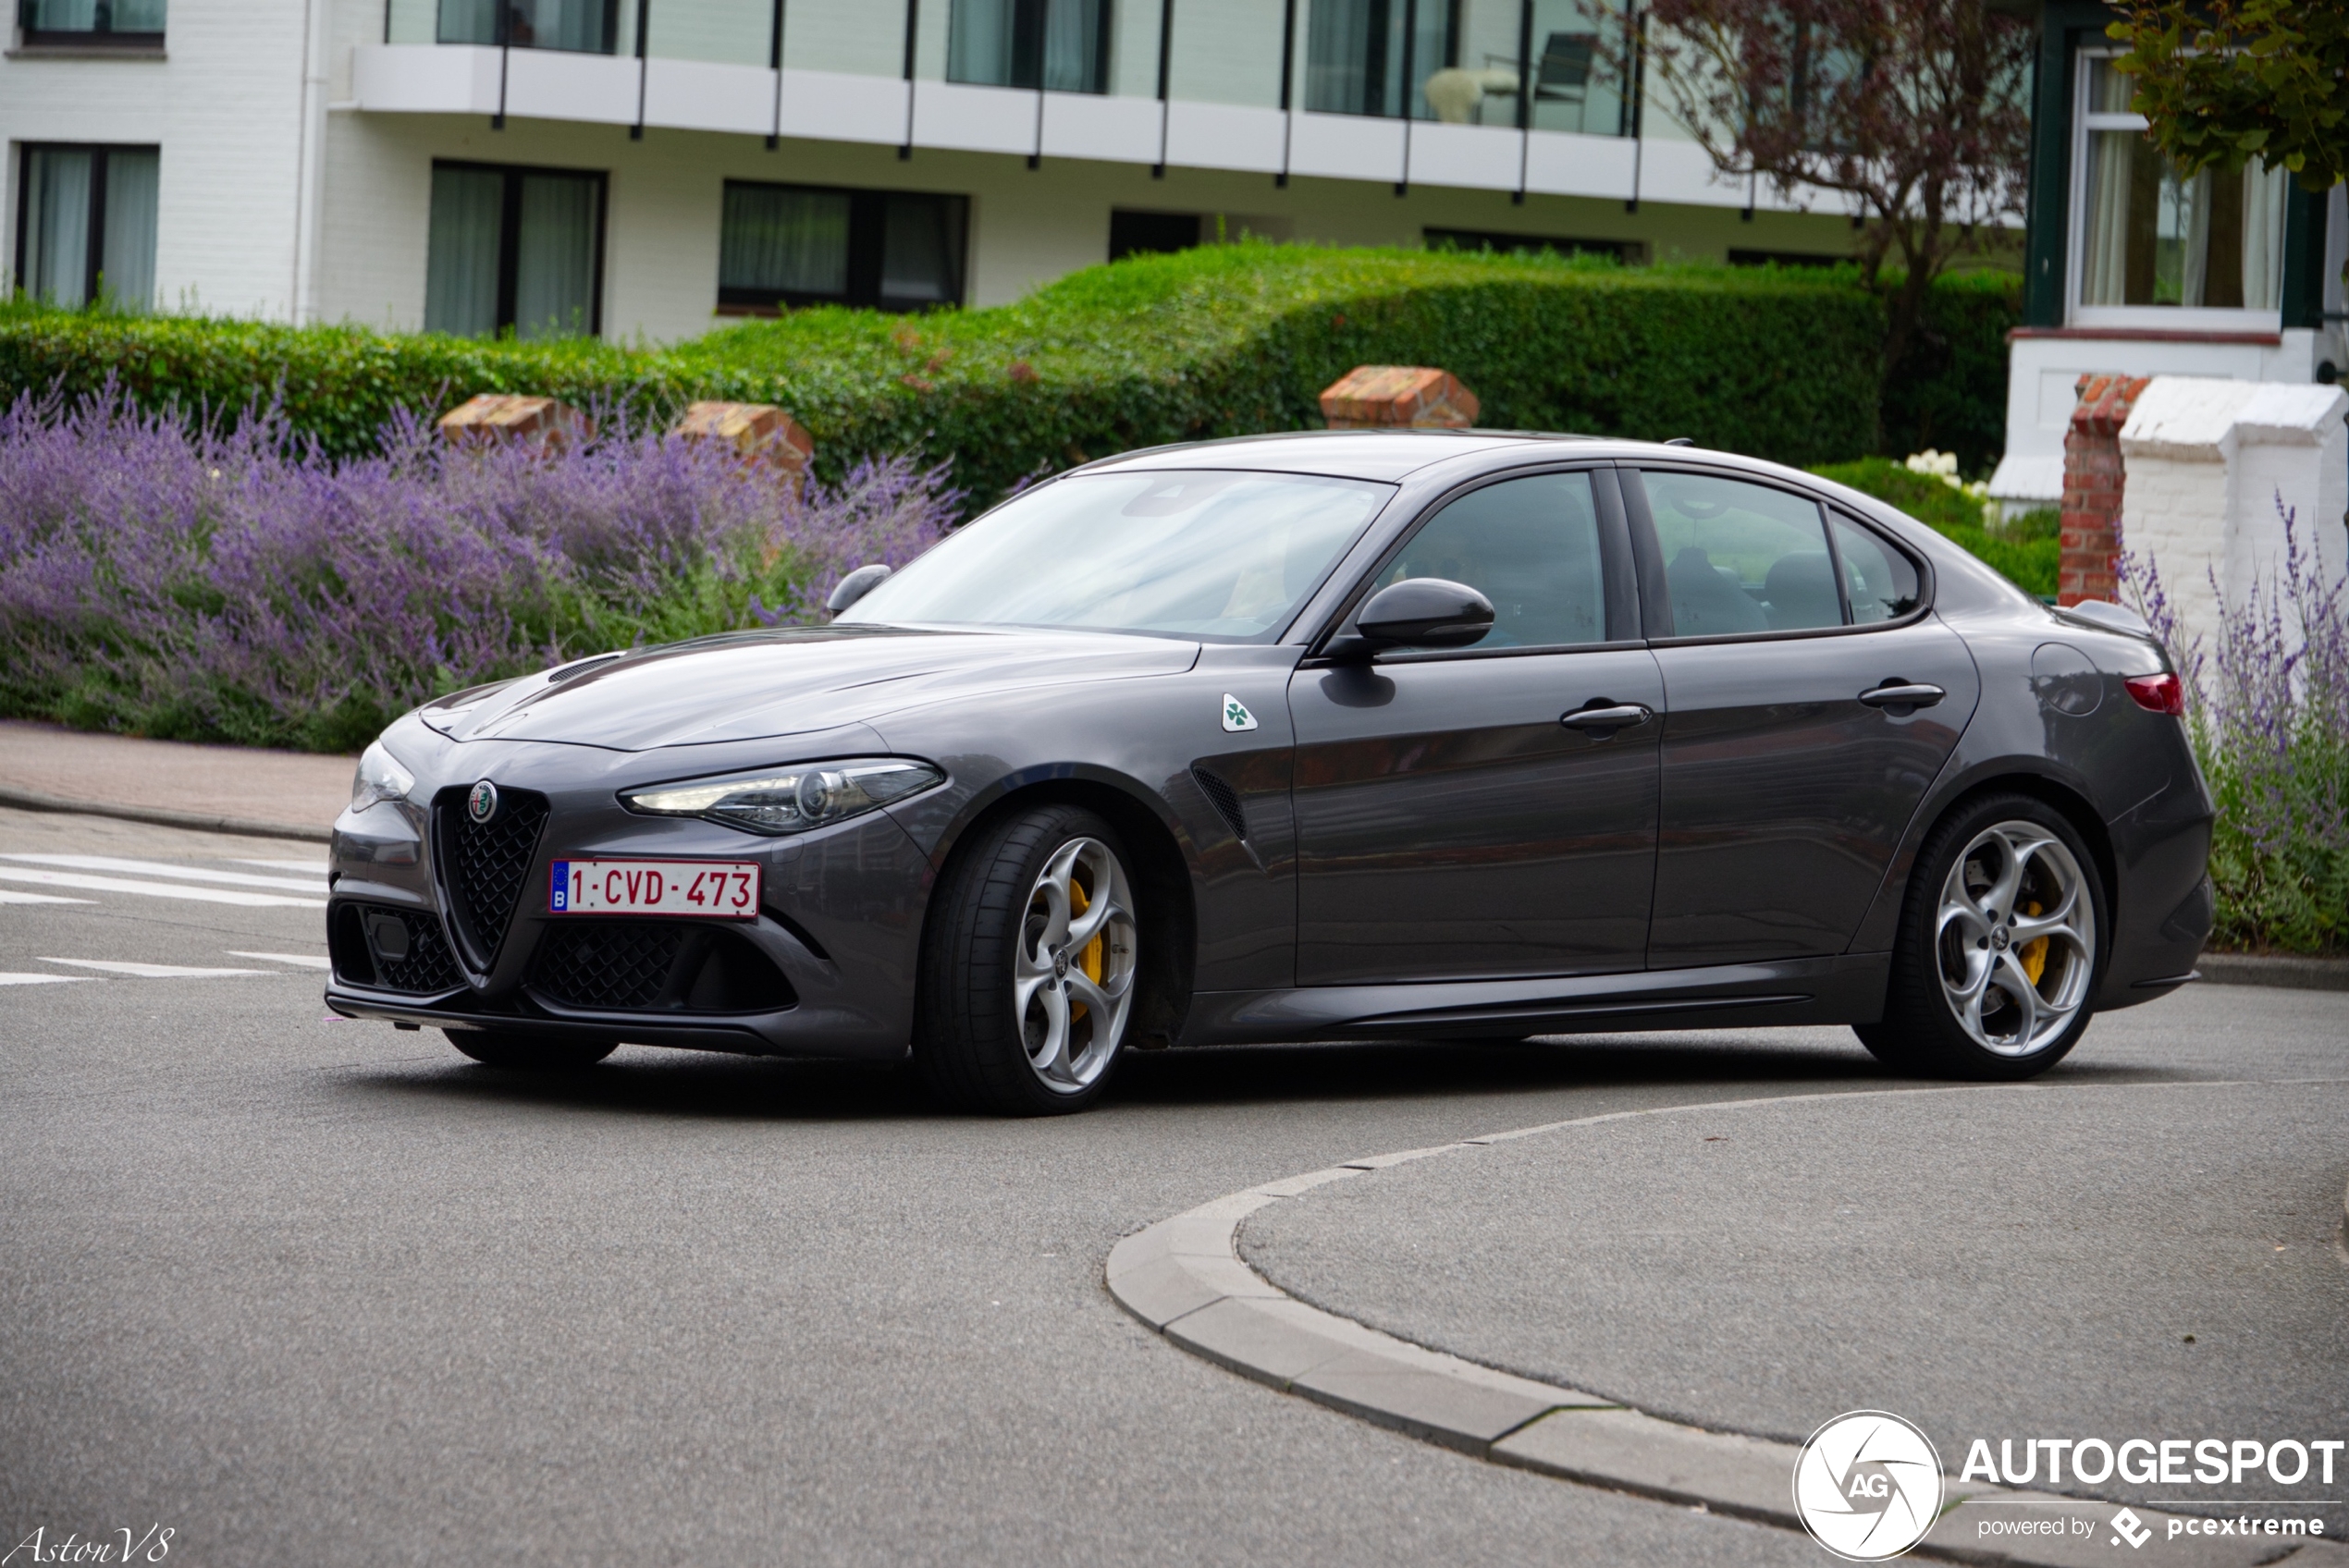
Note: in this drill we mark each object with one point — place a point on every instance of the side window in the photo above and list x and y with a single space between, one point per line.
1880 583
1740 557
1532 546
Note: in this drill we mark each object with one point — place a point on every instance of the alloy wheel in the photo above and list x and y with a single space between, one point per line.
2015 937
1073 980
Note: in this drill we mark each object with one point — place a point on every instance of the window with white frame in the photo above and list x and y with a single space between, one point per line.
2151 243
86 225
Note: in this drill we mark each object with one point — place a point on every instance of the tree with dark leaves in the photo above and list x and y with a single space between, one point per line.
1913 113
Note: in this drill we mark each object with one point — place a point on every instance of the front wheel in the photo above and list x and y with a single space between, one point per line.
1999 948
522 1052
1030 966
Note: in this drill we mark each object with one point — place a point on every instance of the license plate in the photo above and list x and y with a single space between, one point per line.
724 890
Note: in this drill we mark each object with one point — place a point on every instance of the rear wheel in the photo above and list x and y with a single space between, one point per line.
522 1052
1999 948
1030 966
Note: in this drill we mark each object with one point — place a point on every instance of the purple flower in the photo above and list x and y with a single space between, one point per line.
199 579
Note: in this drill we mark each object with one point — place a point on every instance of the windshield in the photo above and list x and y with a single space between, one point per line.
1214 554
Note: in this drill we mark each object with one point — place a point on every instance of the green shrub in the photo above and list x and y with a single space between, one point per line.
2024 550
1218 341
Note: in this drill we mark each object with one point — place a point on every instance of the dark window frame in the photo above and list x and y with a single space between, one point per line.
99 34
1031 37
510 233
95 263
1656 595
503 31
868 241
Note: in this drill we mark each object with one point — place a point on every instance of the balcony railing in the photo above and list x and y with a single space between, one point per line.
1543 65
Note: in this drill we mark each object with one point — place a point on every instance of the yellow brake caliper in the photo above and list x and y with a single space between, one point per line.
2033 954
1090 961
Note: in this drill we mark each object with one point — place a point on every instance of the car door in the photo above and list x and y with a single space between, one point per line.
1455 818
1785 632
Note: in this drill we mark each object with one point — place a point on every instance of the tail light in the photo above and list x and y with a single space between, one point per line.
2159 693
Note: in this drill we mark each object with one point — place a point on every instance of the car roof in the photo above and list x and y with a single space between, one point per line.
1345 454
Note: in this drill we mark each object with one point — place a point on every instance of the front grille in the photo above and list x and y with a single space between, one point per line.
391 950
485 864
611 965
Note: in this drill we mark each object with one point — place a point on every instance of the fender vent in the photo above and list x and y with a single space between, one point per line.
1225 799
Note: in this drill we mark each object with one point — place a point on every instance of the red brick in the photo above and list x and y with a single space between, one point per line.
2093 487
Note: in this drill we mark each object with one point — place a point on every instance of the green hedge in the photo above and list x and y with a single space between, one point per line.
1218 341
1949 391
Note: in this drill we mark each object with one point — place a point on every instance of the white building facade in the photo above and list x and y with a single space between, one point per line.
639 168
2132 270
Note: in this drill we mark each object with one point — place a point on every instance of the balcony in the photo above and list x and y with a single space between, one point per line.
1521 96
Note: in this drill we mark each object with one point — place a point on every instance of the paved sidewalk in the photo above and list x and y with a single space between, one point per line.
2144 1245
45 764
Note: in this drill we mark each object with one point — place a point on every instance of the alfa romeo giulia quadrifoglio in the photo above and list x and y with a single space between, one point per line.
1436 735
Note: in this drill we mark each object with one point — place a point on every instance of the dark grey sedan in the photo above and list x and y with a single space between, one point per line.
1427 734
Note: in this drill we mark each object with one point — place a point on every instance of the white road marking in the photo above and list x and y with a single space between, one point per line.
315 867
164 868
11 896
303 961
157 891
149 971
7 978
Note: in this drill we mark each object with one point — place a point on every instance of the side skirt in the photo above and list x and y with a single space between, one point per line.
1845 989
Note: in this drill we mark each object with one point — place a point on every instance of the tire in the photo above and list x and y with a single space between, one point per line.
1014 1017
1962 1000
519 1052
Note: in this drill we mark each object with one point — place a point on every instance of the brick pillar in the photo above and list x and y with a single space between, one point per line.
496 417
1393 396
759 432
2088 568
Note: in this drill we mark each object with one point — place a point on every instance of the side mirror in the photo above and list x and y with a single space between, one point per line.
1424 612
854 586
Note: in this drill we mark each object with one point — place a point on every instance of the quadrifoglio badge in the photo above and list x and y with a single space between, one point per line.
1868 1485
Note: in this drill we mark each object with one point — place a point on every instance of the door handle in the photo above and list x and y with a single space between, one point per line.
1904 696
1603 721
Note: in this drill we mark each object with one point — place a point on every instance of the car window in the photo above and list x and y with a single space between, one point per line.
1740 557
1532 546
1219 553
1880 582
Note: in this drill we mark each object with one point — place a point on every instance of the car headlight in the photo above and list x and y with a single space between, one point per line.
380 777
789 800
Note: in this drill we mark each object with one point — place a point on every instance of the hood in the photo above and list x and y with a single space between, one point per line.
752 685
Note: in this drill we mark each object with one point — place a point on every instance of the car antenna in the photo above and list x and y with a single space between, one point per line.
1681 441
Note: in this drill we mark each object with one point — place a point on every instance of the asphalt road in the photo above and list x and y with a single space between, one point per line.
312 1291
2146 1245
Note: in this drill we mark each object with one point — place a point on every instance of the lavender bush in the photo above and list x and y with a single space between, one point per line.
2268 705
202 581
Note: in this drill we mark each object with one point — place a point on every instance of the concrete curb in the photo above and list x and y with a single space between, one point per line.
1185 1277
2274 969
32 800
